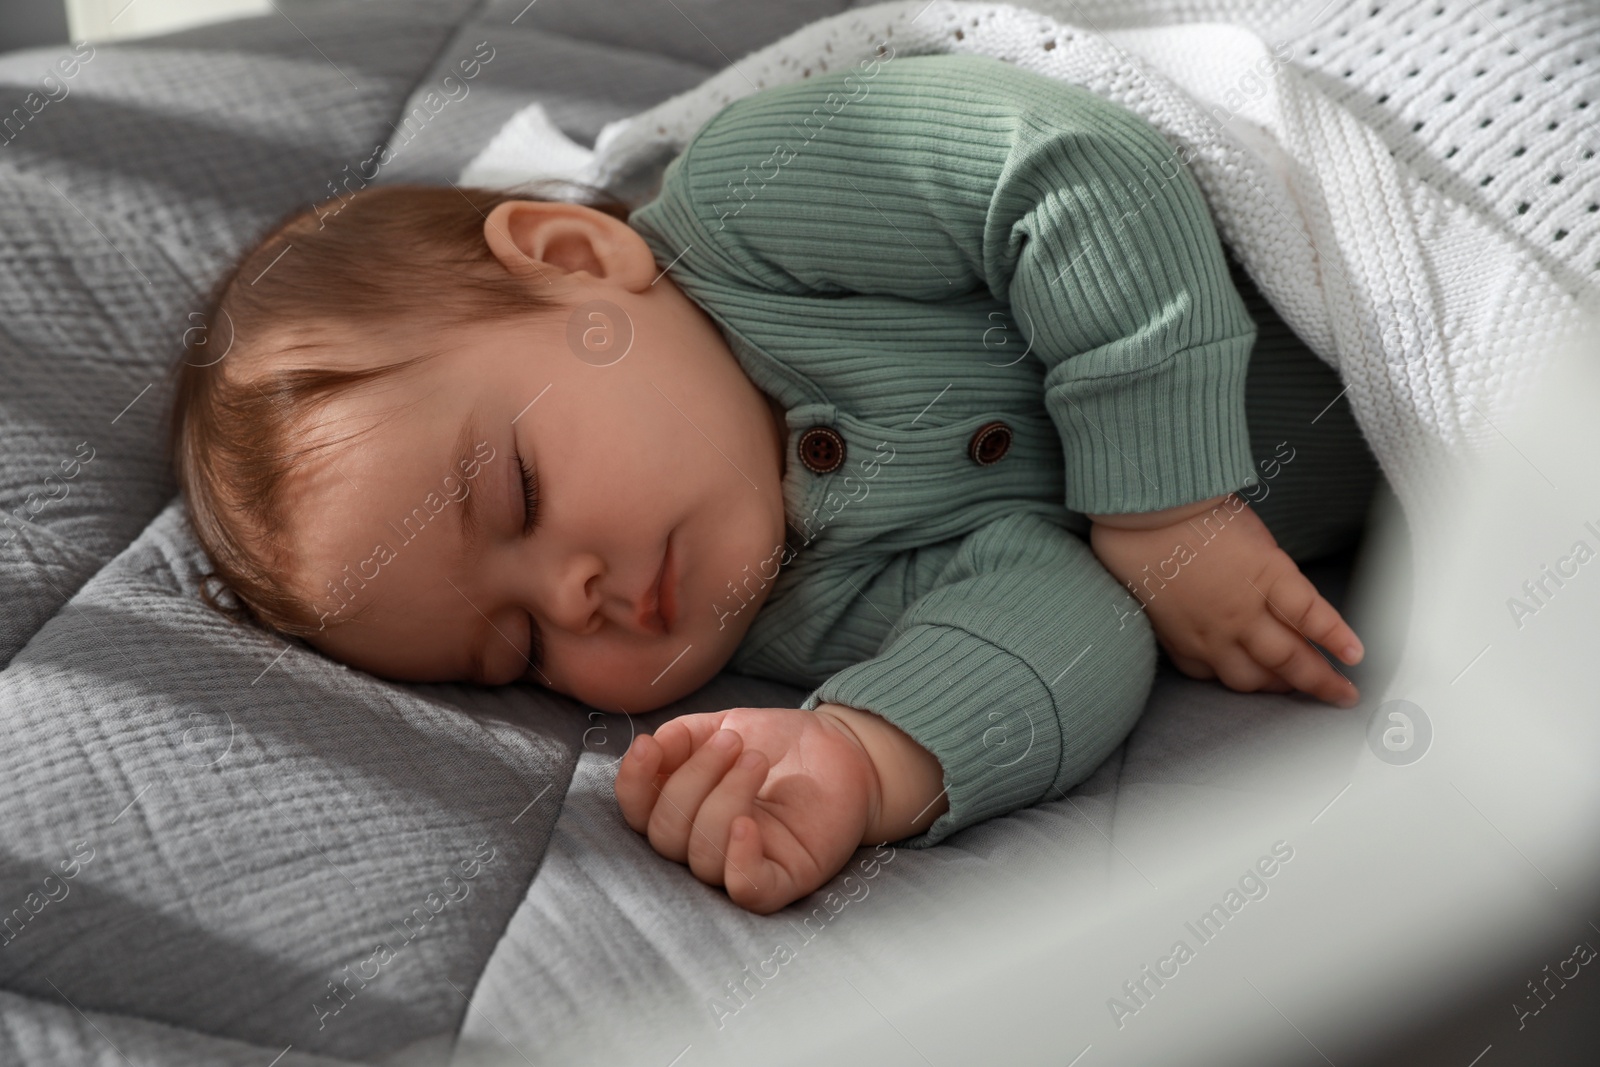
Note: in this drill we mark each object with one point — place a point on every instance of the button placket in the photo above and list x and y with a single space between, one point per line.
824 487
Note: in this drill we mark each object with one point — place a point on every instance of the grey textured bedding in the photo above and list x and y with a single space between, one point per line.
221 848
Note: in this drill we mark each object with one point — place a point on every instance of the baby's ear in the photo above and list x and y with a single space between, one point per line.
511 229
529 237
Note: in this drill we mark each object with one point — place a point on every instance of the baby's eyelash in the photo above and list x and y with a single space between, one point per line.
530 499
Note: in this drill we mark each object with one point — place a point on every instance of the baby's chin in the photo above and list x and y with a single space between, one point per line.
644 689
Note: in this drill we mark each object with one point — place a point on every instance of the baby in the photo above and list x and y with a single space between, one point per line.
920 384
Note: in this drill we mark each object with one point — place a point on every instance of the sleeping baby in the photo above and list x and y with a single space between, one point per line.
920 385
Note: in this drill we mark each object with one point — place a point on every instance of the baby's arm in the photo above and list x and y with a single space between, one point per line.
1225 601
1010 659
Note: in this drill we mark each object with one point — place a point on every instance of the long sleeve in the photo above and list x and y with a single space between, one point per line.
1017 661
933 177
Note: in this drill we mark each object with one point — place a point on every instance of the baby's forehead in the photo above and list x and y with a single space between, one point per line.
352 460
365 447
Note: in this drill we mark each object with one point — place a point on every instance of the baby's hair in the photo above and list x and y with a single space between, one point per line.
394 262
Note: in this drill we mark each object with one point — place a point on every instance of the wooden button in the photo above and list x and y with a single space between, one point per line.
821 450
990 443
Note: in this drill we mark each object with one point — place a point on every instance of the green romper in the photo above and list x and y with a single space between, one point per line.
989 302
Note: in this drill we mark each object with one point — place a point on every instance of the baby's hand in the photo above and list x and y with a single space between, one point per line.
1227 602
769 802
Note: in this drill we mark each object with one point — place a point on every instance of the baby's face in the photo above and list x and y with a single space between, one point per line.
649 450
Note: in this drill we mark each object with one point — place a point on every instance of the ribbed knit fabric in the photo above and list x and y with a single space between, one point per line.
968 243
958 178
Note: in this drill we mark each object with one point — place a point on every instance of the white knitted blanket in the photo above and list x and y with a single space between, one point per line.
1413 184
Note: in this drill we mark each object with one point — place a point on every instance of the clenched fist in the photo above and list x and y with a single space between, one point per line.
768 802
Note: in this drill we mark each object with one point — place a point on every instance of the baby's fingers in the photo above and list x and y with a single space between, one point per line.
671 822
682 737
1293 599
734 796
636 781
1238 670
753 881
1291 657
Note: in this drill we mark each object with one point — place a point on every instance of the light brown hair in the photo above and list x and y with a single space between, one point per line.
394 262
